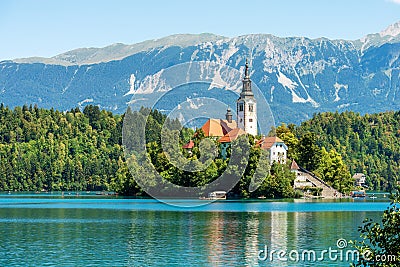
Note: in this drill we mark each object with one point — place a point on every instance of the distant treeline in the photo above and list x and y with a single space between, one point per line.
53 150
42 149
369 144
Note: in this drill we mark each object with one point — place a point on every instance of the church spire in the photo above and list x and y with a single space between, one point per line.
246 71
246 90
247 105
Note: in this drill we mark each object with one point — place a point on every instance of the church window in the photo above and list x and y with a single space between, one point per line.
250 120
240 107
251 107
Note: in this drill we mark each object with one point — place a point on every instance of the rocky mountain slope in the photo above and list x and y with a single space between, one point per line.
298 76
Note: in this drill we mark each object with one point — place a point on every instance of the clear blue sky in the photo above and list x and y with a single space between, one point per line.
49 27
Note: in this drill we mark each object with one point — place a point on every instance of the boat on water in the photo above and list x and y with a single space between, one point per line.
358 194
104 193
216 195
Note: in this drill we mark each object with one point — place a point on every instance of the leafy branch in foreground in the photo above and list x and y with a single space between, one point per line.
381 241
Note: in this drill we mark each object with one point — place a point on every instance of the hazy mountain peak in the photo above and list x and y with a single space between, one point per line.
390 35
297 75
117 51
393 30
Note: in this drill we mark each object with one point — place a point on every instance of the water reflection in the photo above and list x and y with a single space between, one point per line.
90 237
232 239
214 238
251 239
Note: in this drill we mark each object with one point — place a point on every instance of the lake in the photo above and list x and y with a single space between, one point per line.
50 230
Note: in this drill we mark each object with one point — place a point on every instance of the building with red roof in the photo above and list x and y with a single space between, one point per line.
218 127
226 140
189 145
276 147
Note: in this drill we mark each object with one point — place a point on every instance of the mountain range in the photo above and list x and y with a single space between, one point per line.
298 76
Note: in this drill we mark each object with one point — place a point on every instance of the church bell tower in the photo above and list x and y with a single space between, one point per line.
247 106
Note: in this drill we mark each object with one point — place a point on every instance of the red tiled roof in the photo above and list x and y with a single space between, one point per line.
189 145
268 142
294 166
217 127
232 135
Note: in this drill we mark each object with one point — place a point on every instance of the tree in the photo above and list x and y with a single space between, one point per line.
93 113
381 239
288 137
332 170
369 144
309 152
279 184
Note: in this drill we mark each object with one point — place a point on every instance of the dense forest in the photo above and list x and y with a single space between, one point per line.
78 150
51 150
369 144
325 162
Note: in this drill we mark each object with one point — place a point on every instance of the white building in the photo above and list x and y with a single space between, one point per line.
301 180
276 147
359 179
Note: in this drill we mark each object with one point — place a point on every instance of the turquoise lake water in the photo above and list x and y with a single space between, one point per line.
44 230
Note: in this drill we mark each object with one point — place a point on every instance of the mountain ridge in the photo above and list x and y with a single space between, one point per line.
118 51
96 54
298 76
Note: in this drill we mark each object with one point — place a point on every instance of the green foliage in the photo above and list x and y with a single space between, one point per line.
328 165
332 170
309 153
381 239
369 144
278 184
51 150
242 188
289 138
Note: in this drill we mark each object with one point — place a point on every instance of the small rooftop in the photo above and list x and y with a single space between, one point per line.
218 127
189 145
268 142
232 135
358 175
294 166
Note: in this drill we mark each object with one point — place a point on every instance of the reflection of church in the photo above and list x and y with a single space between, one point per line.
227 130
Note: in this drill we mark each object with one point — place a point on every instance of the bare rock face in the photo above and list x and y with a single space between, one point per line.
298 76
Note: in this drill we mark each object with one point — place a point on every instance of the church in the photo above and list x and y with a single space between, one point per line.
227 130
246 110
